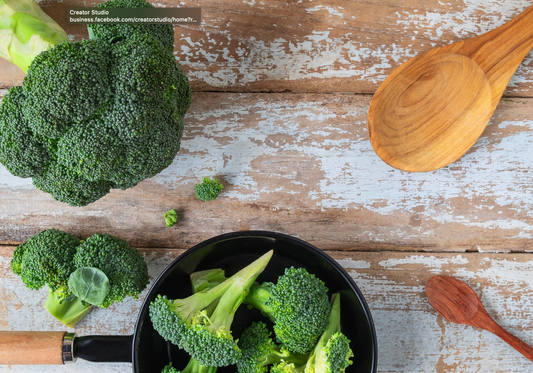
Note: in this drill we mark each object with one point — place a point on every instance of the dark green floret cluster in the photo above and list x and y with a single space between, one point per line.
208 189
79 274
98 114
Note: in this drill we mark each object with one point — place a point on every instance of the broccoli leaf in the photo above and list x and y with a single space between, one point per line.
89 284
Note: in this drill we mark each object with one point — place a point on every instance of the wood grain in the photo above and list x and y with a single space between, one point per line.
302 164
312 46
411 336
31 348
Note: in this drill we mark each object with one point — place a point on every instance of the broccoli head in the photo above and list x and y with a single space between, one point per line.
124 266
296 298
201 323
97 114
171 217
208 189
259 351
58 260
332 352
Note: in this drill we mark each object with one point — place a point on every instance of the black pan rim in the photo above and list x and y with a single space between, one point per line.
265 234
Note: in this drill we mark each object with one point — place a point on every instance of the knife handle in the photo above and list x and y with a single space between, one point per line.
35 348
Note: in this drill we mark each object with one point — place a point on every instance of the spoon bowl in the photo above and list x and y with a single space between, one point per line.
432 109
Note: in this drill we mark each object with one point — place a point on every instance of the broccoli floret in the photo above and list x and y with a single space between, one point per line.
124 266
171 217
207 279
202 330
208 189
22 153
259 351
331 354
192 367
47 260
66 84
116 32
296 298
52 258
96 114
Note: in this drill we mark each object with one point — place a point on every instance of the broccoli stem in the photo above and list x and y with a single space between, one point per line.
69 312
257 298
194 366
27 31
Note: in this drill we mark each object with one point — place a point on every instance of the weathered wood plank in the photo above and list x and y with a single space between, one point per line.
310 45
411 336
302 164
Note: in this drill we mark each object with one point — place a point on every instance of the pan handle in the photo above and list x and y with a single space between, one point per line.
32 348
104 348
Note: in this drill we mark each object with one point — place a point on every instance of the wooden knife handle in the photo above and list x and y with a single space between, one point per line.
29 348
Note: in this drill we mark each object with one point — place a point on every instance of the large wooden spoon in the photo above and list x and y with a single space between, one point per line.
434 107
457 302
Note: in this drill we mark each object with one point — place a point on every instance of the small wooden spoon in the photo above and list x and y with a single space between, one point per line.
434 107
457 302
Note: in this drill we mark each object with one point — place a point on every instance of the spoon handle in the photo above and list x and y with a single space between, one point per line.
515 342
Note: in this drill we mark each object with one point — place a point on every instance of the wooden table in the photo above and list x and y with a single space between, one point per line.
281 92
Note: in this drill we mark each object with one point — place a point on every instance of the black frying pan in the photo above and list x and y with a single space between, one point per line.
149 353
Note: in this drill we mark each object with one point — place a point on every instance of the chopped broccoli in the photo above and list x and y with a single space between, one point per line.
207 279
201 323
96 114
331 354
290 304
208 189
259 351
51 258
171 217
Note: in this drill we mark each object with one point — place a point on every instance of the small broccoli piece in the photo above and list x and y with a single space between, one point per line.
171 217
296 298
124 266
20 152
259 351
47 260
116 32
204 331
331 354
192 367
207 279
208 189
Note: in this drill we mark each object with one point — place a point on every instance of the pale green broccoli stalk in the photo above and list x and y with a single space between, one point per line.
203 330
171 217
296 298
26 31
259 351
208 189
332 353
207 279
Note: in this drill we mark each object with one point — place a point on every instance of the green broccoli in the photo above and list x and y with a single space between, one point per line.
259 351
171 217
54 259
296 298
207 279
208 189
201 323
93 115
331 354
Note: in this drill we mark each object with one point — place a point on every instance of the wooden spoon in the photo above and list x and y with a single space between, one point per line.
457 302
434 107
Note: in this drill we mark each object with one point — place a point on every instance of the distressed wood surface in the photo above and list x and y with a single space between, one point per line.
312 45
411 336
302 164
